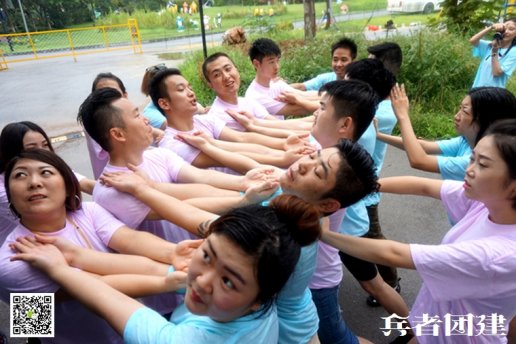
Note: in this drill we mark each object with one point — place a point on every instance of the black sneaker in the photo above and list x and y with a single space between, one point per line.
372 302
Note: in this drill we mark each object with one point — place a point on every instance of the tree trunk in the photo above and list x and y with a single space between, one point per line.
310 27
329 14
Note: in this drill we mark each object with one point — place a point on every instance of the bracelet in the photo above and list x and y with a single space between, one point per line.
494 54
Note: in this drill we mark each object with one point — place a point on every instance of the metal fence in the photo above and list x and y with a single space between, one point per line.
20 47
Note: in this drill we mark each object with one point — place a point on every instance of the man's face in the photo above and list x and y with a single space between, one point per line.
224 78
181 97
340 59
312 176
269 67
137 130
327 128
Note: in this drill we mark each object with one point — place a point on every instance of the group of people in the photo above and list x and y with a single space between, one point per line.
231 223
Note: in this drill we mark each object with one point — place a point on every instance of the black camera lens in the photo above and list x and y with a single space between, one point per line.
498 36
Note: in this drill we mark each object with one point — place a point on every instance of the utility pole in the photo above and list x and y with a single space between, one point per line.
23 16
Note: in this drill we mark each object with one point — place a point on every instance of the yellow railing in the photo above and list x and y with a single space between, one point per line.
3 63
20 47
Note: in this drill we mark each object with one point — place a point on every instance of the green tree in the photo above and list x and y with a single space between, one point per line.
468 16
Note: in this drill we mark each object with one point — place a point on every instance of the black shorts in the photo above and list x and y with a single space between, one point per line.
360 269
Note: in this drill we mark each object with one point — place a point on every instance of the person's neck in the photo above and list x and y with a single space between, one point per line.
231 99
262 80
506 45
47 223
181 122
501 212
470 139
124 156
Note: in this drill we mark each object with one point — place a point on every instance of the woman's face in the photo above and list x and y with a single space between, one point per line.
105 83
36 188
464 119
222 282
510 31
487 176
33 139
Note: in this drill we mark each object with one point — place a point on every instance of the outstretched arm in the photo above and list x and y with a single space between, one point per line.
417 156
110 304
385 252
409 185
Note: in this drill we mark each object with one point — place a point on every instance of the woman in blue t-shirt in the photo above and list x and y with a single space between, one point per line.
481 107
233 278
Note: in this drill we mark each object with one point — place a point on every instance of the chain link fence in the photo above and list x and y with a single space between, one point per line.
71 42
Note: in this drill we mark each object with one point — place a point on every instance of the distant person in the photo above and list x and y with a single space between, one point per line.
343 52
497 58
389 53
155 117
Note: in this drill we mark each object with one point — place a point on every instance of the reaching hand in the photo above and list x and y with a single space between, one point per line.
157 134
244 118
123 181
196 140
176 280
295 141
260 192
183 254
42 256
400 102
293 155
260 174
288 97
67 248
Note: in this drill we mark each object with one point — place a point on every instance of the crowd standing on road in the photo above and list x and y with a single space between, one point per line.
231 223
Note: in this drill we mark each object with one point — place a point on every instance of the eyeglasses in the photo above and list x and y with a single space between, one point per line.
156 68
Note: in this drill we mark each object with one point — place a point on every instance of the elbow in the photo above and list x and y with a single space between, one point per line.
497 72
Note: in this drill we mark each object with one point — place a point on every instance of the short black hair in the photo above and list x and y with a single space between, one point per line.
345 43
98 115
158 88
110 76
355 99
262 48
390 54
374 73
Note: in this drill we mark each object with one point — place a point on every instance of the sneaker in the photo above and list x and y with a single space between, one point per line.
372 302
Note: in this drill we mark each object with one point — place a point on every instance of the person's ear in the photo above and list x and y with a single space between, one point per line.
255 306
164 104
117 134
328 205
256 64
346 127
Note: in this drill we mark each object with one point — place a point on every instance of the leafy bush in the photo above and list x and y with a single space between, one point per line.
437 71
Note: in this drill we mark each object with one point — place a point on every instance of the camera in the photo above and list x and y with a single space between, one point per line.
499 35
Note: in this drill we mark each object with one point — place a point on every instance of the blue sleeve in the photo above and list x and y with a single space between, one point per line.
148 326
481 49
313 84
452 167
450 147
509 62
356 220
155 117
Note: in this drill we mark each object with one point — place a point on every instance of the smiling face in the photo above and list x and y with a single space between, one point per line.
464 119
33 139
224 78
181 97
222 283
340 59
36 189
487 176
510 32
312 176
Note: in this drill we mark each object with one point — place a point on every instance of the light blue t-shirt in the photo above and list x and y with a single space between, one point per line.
356 220
297 315
155 117
454 158
484 76
386 120
316 83
147 326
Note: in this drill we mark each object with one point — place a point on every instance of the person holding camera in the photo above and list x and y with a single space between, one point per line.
497 58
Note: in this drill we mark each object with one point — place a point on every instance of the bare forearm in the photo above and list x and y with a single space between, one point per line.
267 159
409 185
134 285
386 252
273 132
235 161
218 205
192 190
478 36
495 64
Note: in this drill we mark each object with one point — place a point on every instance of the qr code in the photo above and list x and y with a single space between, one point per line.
32 315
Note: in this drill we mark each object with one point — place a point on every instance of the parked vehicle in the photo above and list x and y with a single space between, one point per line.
410 6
